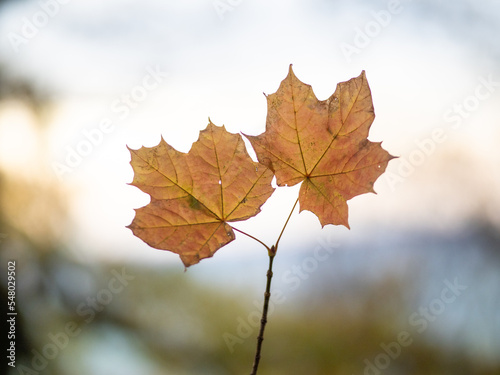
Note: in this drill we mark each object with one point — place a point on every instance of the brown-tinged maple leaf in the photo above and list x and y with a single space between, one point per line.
322 144
195 195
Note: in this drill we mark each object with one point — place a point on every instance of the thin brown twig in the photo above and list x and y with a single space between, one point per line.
263 320
284 226
267 294
252 237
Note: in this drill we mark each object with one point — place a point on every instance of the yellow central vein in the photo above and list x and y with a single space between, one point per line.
297 129
334 137
220 176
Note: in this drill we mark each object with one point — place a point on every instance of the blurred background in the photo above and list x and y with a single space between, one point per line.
412 288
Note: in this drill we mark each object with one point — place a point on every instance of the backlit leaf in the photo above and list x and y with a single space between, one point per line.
195 195
322 144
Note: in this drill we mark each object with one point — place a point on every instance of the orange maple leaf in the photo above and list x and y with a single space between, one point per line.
195 195
322 144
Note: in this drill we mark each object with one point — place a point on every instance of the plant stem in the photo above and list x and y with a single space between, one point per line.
252 237
284 226
267 294
263 320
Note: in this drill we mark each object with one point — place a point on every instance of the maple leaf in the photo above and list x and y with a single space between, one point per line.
322 144
195 195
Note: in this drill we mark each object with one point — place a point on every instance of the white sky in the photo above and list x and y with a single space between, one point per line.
420 63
